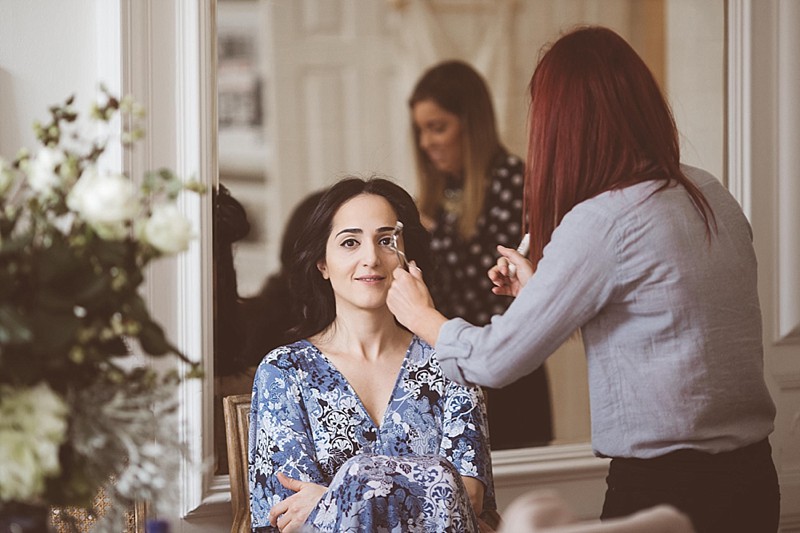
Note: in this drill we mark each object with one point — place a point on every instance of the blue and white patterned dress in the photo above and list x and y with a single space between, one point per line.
307 422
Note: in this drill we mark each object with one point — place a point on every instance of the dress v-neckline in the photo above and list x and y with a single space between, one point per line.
352 389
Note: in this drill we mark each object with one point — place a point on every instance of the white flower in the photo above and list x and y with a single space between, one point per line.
167 229
106 202
21 478
33 425
42 175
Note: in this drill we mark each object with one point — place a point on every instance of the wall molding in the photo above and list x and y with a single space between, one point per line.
738 91
167 55
196 134
537 466
788 182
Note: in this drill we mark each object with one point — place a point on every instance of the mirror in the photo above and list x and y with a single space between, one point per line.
312 90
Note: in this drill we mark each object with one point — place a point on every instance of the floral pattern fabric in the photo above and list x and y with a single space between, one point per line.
307 422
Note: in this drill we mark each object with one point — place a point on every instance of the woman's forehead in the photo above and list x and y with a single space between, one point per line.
365 211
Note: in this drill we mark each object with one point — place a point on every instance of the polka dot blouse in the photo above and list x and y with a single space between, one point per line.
461 287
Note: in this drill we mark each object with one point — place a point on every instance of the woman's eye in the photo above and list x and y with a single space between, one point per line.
349 243
385 241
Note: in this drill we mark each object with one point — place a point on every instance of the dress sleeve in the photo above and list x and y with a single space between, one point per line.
280 439
465 441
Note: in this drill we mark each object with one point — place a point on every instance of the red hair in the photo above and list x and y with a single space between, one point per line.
598 122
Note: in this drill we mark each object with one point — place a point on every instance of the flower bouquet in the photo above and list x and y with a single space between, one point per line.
79 412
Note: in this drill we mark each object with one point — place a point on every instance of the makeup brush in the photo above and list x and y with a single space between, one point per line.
523 249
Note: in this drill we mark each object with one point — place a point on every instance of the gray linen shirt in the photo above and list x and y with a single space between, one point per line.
671 322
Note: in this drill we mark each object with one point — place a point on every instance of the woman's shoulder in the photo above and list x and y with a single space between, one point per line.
611 207
699 176
420 352
423 355
507 166
286 365
420 345
289 356
507 180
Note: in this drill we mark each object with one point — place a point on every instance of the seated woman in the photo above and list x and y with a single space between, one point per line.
354 428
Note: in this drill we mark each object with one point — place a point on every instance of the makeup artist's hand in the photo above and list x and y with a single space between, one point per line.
506 282
411 304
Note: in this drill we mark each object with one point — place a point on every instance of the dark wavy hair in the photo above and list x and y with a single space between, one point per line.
314 294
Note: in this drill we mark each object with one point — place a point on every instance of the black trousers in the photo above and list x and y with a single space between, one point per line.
727 492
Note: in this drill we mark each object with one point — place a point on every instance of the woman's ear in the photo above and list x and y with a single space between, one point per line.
323 268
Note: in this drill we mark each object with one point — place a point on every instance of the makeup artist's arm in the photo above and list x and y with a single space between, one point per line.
412 305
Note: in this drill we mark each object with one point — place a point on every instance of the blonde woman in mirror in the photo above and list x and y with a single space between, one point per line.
654 262
354 427
469 192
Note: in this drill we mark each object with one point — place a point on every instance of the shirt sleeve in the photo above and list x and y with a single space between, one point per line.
279 439
465 432
575 278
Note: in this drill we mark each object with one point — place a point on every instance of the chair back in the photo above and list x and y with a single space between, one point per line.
236 411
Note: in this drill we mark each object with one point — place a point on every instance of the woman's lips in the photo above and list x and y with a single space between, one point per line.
370 279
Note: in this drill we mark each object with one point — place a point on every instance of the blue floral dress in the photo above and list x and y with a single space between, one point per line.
405 475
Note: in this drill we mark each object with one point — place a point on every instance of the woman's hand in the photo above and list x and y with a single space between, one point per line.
508 281
290 514
411 304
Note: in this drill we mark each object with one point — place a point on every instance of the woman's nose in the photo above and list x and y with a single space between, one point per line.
371 254
425 140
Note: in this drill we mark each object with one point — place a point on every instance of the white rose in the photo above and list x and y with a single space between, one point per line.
51 412
42 175
106 202
33 424
167 229
21 478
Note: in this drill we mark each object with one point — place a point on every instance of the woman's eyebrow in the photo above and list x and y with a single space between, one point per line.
383 229
350 230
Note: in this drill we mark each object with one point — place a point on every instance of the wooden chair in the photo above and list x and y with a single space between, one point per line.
236 411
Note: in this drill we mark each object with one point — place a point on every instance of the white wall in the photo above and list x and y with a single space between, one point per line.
47 53
694 76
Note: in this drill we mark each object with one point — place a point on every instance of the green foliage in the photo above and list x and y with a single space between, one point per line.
75 240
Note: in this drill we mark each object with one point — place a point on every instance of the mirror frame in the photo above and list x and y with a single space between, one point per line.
177 40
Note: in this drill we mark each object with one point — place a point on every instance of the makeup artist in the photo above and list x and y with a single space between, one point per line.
470 197
653 261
